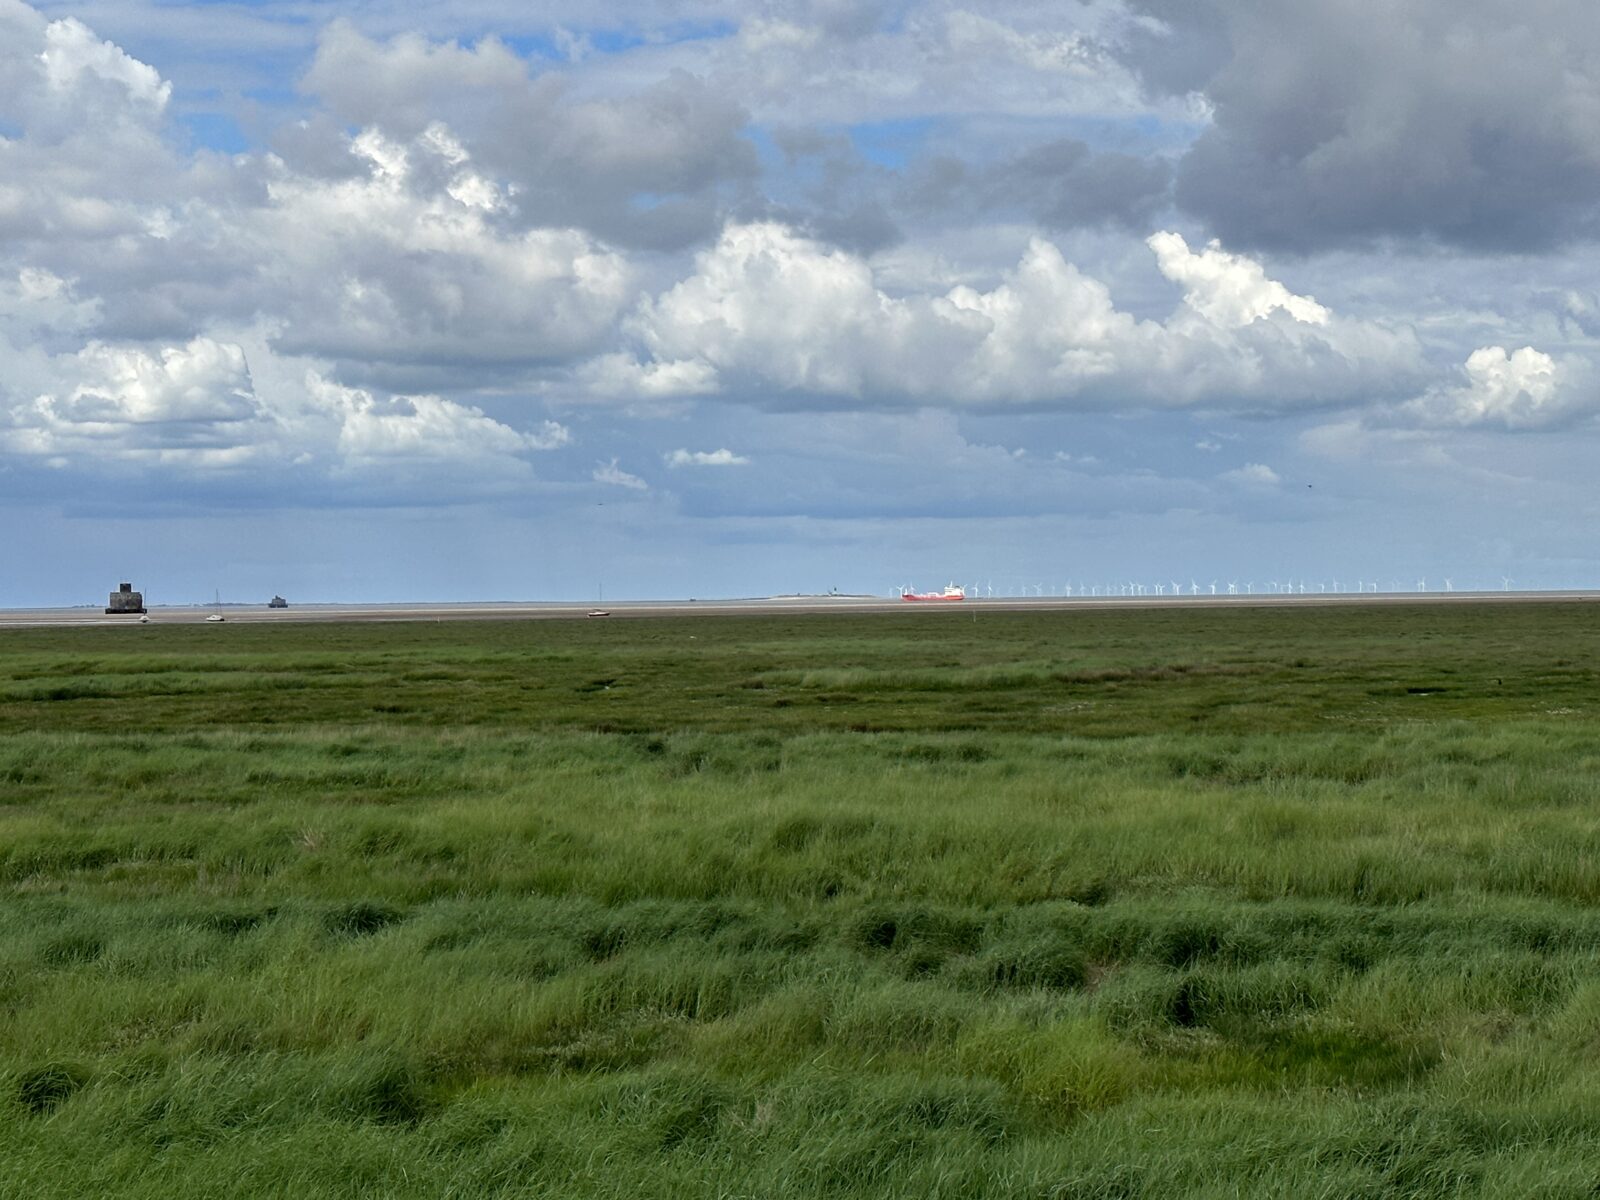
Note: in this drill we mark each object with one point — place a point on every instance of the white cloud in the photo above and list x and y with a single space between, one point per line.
1252 475
204 381
621 374
81 154
768 309
1228 289
407 263
610 473
74 58
1522 389
551 435
121 401
421 428
704 458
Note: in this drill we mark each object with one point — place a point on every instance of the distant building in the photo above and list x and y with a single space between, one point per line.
277 602
125 600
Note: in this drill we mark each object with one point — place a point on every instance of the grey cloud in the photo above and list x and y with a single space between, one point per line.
318 146
1060 184
1177 46
647 168
409 82
1348 121
847 200
848 18
864 228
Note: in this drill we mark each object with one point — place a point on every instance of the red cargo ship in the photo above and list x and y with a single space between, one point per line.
950 593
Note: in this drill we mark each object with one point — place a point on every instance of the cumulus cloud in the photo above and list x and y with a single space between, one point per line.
704 458
128 402
770 313
611 473
81 153
422 428
1523 389
407 262
74 58
1227 289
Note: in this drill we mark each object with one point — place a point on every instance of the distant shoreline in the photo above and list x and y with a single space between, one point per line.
242 613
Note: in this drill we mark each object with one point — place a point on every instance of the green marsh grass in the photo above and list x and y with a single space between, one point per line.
1291 902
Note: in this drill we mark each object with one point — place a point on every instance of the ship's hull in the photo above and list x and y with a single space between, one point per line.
929 598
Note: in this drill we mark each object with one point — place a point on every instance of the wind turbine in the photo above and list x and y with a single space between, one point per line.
1505 583
1449 586
1213 587
1233 588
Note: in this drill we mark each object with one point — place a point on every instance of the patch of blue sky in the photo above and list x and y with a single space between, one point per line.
565 43
211 130
275 97
892 143
545 47
767 150
783 180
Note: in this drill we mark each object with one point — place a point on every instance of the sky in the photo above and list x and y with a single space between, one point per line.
496 301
